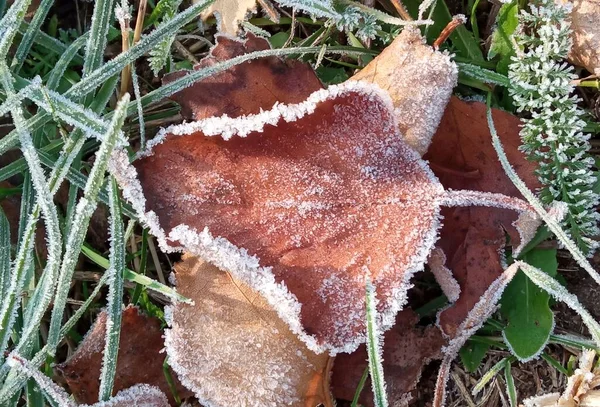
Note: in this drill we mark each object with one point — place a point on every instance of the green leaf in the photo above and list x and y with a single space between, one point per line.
525 307
331 76
472 354
501 45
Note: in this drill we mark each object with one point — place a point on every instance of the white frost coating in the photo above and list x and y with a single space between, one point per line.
225 255
227 127
542 401
50 388
140 395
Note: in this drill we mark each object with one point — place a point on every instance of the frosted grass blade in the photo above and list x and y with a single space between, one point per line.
84 211
29 36
115 294
4 254
44 198
374 350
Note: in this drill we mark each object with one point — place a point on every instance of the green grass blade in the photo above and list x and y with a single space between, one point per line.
96 44
360 387
489 375
63 62
9 25
29 36
4 254
511 390
93 78
16 380
134 277
374 350
44 198
115 294
84 211
49 43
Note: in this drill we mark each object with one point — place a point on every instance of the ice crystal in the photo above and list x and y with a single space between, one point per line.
552 135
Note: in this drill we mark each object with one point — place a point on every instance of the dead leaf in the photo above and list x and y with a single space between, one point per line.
229 13
139 361
232 348
245 88
585 23
418 79
462 157
141 395
407 348
581 388
317 197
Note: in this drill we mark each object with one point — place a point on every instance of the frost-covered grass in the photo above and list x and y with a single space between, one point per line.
64 108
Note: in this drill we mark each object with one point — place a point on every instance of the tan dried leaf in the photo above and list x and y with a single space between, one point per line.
229 13
419 81
580 390
585 23
232 349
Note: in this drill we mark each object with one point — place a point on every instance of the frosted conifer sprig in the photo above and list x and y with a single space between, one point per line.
552 135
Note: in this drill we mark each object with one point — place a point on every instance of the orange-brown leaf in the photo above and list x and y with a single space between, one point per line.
462 157
303 210
245 88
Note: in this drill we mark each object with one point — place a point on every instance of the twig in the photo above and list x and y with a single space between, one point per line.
401 10
457 20
137 34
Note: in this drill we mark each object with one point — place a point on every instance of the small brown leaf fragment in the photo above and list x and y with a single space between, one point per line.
462 156
139 360
232 349
419 81
229 13
585 23
245 88
407 348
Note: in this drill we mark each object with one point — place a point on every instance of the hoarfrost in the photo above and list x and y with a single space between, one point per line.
482 310
141 395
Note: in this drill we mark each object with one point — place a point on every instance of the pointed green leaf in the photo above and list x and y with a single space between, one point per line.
525 307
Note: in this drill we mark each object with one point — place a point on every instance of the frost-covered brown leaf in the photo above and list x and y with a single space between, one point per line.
301 202
139 360
462 157
245 88
232 348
